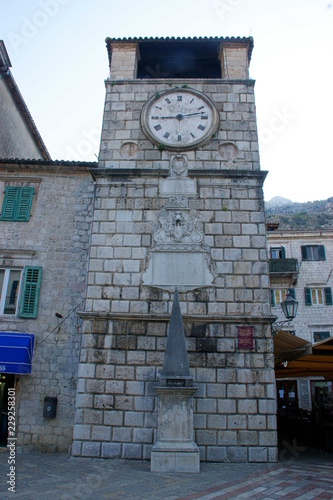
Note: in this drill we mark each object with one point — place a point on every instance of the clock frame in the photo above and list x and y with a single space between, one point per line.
179 119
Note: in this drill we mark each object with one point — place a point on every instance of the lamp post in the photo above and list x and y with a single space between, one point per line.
289 308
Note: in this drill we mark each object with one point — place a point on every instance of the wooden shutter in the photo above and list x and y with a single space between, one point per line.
24 205
292 292
10 201
321 252
17 203
328 296
308 299
30 294
272 298
283 253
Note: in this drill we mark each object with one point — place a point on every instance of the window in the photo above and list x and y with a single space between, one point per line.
278 253
9 290
17 295
313 252
318 336
318 296
279 294
17 203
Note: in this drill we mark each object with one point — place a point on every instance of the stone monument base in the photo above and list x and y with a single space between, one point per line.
175 450
179 459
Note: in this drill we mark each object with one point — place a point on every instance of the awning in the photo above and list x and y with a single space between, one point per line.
288 347
319 363
16 352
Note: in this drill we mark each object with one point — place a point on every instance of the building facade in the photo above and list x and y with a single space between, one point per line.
301 262
45 234
175 201
19 136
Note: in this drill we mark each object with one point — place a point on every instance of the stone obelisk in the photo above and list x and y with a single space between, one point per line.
175 450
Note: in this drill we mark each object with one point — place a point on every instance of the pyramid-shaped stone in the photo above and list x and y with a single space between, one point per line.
175 364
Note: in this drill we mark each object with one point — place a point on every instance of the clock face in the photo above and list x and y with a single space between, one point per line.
179 119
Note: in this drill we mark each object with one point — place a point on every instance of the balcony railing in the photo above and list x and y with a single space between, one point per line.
283 266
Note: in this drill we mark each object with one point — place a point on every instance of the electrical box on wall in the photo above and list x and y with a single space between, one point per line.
50 407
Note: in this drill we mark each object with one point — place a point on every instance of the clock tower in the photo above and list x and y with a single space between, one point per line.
178 204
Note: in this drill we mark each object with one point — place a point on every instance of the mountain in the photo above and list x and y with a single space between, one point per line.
300 216
278 201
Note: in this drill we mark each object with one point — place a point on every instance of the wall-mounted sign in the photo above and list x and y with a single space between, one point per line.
245 337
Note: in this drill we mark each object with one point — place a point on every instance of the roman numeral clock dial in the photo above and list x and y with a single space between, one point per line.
179 119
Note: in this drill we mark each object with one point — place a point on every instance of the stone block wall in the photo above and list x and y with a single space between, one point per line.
234 61
124 61
125 322
57 238
234 407
235 146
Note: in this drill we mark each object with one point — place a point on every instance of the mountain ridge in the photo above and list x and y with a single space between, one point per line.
290 215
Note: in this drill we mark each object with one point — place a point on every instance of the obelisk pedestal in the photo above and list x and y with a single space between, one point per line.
175 450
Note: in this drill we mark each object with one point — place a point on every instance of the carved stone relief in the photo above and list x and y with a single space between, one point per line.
178 258
178 184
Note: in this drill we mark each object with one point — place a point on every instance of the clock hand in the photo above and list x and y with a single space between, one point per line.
168 117
180 116
193 114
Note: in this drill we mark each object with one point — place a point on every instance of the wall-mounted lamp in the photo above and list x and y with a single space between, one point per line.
289 308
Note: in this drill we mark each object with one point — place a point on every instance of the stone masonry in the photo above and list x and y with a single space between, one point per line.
57 238
125 322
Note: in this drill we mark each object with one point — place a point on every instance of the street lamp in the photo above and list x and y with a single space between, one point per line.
289 308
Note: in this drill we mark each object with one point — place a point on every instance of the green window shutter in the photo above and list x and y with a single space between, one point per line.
303 250
292 292
283 253
321 252
17 203
328 296
30 292
10 202
272 298
24 206
308 299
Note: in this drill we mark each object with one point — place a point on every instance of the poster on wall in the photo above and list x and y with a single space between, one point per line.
245 337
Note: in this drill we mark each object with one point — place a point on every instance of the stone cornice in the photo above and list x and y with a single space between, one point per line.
284 235
163 172
249 82
187 318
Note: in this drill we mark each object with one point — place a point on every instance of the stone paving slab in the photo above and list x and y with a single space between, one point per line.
59 476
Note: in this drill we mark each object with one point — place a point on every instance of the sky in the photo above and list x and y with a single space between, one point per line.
59 61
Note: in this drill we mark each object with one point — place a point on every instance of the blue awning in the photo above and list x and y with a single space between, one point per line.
16 352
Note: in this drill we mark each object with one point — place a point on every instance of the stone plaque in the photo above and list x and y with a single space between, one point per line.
178 187
184 270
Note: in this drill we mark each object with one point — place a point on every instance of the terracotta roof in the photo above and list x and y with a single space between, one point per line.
5 64
178 38
272 226
183 39
50 163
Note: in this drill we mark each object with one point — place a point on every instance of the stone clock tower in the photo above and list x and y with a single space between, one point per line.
178 203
